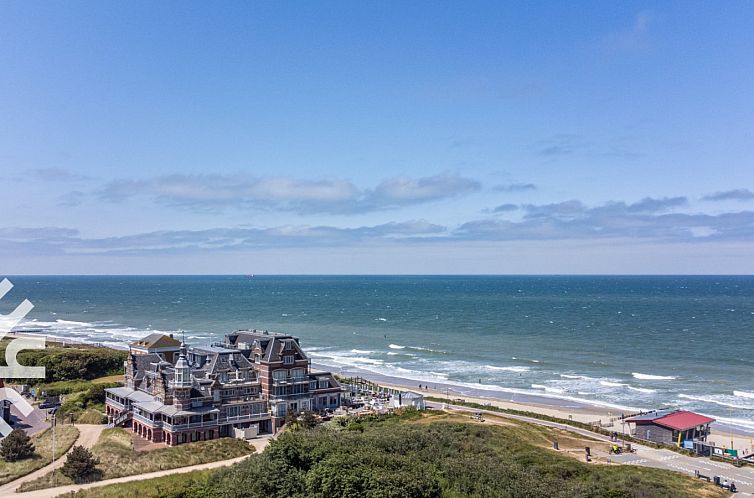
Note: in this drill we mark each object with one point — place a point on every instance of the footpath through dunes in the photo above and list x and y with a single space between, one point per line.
88 435
644 455
259 445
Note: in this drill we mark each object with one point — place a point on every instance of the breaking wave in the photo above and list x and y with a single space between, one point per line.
642 376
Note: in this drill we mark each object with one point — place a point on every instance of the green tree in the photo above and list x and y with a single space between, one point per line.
80 464
308 420
16 446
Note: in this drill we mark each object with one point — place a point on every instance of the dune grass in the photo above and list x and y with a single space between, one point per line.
174 485
118 458
110 379
65 435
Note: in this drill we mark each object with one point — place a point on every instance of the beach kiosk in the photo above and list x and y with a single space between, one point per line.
678 427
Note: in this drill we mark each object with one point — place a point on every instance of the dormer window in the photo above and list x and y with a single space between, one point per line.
288 360
288 344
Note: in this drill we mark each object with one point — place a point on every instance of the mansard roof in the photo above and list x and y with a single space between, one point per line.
221 359
145 362
270 345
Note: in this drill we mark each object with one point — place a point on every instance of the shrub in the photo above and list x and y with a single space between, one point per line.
80 465
16 446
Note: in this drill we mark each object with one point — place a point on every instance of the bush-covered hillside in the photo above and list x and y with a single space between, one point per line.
71 361
440 459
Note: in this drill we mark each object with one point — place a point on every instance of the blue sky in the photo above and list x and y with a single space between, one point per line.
421 137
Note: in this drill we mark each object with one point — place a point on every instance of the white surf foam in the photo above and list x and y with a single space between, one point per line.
642 389
608 383
419 348
717 401
743 394
548 389
361 351
642 376
396 346
508 369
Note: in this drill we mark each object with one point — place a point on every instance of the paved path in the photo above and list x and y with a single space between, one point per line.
35 422
259 445
88 435
644 455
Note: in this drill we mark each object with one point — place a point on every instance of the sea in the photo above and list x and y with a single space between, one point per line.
622 342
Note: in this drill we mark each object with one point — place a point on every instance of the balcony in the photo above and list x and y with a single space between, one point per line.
190 425
237 419
291 396
147 421
115 403
290 381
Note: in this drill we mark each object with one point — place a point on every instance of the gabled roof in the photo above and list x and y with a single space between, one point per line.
156 341
679 420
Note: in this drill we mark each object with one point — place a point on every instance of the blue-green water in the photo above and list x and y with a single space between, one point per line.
641 342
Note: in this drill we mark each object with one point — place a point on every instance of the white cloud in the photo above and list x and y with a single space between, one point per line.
303 196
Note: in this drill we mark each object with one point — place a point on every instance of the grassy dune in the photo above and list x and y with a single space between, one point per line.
414 456
118 458
65 435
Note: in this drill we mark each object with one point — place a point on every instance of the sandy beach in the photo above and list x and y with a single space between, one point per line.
721 435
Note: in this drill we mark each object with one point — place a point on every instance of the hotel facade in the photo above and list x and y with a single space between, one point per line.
245 385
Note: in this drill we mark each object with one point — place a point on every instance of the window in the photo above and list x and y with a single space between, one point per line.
288 360
280 374
298 373
324 384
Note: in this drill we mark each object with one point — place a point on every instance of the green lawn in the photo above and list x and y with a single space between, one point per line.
65 435
118 459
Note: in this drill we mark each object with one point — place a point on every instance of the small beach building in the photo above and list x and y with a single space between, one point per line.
409 399
670 426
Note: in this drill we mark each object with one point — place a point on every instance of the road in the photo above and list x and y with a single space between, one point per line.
35 422
644 455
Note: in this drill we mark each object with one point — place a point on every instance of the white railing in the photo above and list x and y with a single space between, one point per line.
146 420
191 425
243 418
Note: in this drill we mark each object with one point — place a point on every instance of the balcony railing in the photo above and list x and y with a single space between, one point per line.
243 418
292 395
115 403
290 381
190 425
147 420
